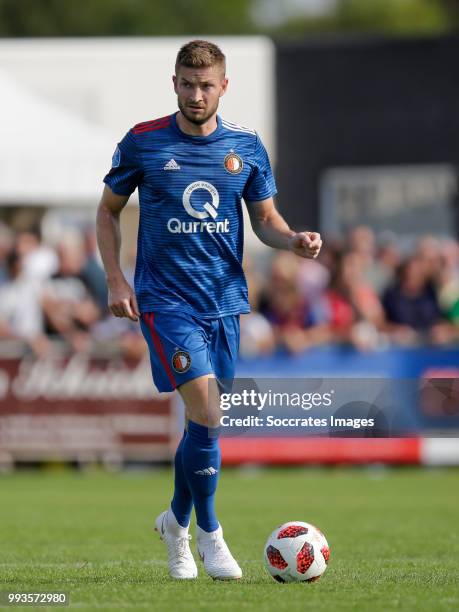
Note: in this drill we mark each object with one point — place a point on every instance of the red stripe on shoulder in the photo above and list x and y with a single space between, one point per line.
147 125
151 128
151 121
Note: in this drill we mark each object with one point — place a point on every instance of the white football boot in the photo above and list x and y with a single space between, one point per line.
219 563
181 562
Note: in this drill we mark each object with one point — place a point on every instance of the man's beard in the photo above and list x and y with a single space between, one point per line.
191 118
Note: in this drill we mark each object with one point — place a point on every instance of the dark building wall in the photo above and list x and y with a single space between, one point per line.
361 102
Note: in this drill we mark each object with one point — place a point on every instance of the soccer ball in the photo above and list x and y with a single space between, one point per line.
296 552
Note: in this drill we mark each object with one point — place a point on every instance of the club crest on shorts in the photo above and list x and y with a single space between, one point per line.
181 361
233 163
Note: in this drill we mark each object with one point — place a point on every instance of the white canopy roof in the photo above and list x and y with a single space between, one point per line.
48 155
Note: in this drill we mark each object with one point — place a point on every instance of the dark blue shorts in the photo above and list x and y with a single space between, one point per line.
183 347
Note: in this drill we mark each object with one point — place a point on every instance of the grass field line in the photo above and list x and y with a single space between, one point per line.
97 565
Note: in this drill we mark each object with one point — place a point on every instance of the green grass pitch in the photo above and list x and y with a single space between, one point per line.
393 533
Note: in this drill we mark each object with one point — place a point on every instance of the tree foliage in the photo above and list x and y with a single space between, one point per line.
187 17
123 17
402 17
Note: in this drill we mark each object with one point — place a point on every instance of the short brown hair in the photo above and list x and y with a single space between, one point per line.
200 54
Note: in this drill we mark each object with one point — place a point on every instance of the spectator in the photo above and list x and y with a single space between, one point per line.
412 308
362 242
39 260
389 258
69 309
298 324
20 311
428 251
355 312
313 278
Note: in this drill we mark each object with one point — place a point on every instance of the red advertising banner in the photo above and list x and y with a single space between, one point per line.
83 408
323 451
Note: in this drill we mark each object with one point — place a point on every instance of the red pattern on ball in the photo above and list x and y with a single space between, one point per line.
326 553
275 558
292 532
305 558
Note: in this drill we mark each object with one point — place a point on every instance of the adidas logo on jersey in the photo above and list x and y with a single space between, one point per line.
210 471
171 165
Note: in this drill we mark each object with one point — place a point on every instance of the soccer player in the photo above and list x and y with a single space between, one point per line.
192 169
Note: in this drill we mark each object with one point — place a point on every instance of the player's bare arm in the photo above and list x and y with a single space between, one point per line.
272 229
121 298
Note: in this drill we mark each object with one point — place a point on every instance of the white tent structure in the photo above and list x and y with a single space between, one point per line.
48 155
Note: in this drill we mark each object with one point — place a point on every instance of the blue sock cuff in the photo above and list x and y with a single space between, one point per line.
207 436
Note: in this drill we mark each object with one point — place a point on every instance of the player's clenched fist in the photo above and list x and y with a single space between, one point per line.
306 244
122 301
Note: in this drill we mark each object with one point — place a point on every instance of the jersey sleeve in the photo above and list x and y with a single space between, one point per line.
126 172
261 184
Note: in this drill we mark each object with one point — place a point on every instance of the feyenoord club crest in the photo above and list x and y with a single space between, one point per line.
181 361
233 163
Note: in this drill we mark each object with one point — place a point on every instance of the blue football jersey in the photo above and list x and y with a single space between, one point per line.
190 238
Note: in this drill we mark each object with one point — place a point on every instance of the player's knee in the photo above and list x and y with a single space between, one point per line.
204 414
202 401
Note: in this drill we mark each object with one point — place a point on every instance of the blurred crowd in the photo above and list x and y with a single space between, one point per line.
59 293
360 292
